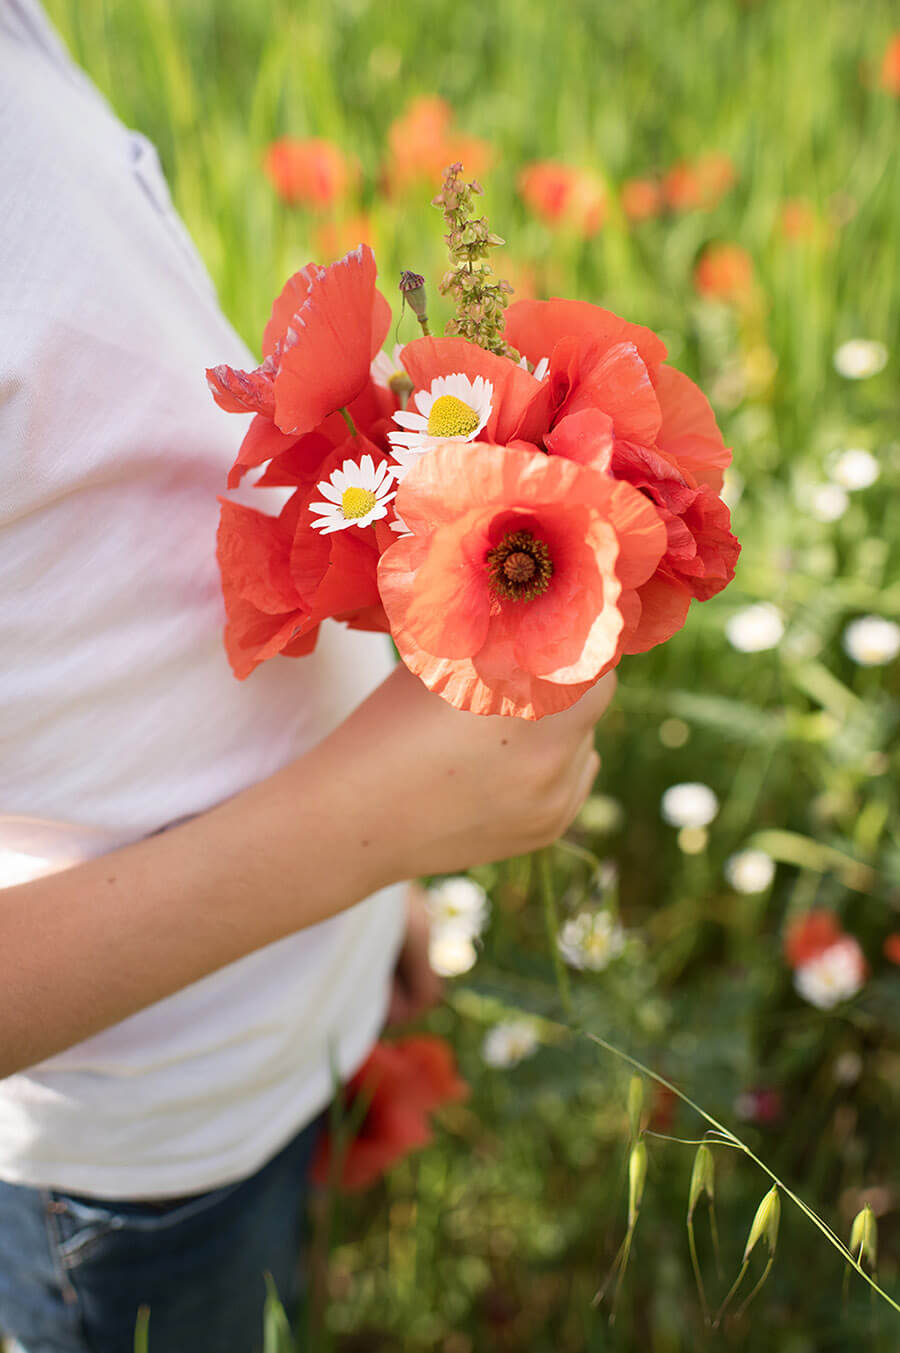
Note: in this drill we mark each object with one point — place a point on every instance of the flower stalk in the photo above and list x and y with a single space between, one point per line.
480 300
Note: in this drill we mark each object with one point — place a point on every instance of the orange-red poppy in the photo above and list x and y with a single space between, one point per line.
810 935
326 326
506 596
610 402
423 141
265 614
562 195
641 199
311 173
890 66
724 272
394 1091
892 947
699 183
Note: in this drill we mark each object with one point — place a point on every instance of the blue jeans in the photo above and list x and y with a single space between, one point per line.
74 1270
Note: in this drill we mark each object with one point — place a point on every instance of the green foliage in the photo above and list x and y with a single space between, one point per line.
498 1236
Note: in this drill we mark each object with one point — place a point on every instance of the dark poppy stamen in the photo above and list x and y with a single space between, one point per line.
520 567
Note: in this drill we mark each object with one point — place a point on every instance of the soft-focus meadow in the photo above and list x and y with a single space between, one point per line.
781 126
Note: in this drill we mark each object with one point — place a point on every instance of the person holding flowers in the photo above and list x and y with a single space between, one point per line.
203 919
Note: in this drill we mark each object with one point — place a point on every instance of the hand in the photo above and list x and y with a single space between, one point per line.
416 986
437 790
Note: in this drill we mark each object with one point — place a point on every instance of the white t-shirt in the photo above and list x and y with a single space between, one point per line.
118 711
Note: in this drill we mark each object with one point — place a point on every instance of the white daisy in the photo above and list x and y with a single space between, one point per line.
871 640
832 976
458 904
540 370
592 939
750 871
860 358
854 469
755 628
509 1043
827 502
689 805
388 371
451 953
453 409
357 495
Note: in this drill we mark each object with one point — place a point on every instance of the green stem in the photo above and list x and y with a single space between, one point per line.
348 420
544 859
698 1277
731 1140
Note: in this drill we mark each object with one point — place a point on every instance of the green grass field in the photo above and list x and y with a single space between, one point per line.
498 1236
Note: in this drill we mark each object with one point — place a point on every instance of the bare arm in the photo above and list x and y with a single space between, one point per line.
407 785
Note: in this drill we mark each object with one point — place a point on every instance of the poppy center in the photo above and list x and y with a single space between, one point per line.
520 567
451 417
356 502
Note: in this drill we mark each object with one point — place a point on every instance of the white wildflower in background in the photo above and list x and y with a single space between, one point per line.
755 628
689 805
591 940
750 871
871 640
732 488
827 502
832 976
384 369
459 904
860 358
847 1067
509 1043
854 469
451 953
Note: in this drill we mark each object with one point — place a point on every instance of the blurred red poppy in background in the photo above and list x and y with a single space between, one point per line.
641 199
423 141
561 195
693 184
312 173
724 272
388 1102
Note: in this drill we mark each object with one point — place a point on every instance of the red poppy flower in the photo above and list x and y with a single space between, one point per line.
892 947
609 402
326 326
423 142
264 612
311 173
562 195
810 935
890 66
698 183
394 1090
724 272
798 220
510 595
333 239
641 199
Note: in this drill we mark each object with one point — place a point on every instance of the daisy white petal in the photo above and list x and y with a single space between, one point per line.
453 409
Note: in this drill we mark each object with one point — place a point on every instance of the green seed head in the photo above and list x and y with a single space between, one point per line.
864 1237
703 1178
765 1223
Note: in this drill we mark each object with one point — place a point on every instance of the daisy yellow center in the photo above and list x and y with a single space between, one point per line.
356 502
451 417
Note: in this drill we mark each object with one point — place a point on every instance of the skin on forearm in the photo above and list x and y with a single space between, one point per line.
89 946
407 785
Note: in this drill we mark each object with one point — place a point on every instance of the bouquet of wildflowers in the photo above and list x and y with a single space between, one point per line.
519 503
